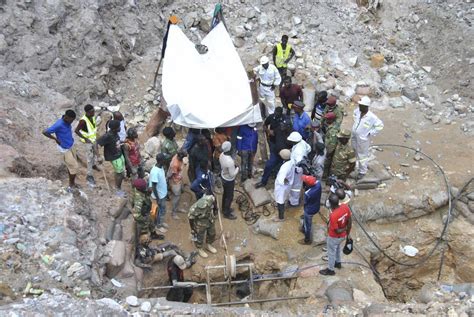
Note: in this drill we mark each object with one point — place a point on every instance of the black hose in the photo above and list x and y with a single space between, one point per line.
248 214
445 226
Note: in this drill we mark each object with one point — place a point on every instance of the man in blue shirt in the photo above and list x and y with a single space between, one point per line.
312 204
301 120
159 188
62 131
202 184
247 140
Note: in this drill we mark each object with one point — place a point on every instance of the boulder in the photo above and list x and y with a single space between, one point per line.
377 60
258 196
267 227
339 292
116 252
152 146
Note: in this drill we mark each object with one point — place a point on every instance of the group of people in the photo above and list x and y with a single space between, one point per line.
304 150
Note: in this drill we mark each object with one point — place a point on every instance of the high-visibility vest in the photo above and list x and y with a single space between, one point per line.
282 55
91 133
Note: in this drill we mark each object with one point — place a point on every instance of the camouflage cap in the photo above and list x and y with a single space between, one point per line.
344 133
205 201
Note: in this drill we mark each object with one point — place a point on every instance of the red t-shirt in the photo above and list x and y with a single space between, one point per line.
338 219
291 94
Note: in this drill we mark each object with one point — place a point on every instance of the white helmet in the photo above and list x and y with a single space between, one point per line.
179 261
295 137
264 60
365 101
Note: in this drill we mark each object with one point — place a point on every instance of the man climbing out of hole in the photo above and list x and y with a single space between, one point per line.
339 228
202 215
182 290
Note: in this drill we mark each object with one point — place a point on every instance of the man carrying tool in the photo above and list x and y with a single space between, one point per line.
268 78
113 153
339 228
366 125
63 137
202 215
282 54
87 131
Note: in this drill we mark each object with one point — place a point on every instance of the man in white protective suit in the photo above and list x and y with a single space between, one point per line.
283 183
269 78
366 125
299 152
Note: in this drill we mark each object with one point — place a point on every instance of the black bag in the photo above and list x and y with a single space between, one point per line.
348 247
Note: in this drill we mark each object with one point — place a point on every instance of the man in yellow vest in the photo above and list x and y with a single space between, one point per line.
282 54
87 131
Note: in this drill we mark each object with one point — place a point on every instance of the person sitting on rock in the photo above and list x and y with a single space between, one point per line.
182 290
202 215
131 153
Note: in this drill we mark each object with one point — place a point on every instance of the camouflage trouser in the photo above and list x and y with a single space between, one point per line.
145 226
202 227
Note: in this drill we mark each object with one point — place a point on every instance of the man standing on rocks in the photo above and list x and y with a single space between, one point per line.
283 183
299 152
141 205
289 93
175 177
117 115
131 153
330 140
228 173
268 77
331 106
202 215
282 54
320 105
113 153
312 204
366 125
87 131
168 146
344 158
63 137
301 120
339 228
157 183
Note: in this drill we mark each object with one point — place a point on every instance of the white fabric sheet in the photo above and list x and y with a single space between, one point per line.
208 90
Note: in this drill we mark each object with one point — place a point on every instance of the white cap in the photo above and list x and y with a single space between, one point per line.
179 261
285 154
295 137
264 60
226 146
365 101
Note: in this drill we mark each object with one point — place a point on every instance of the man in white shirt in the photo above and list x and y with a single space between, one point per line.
228 173
283 183
299 151
366 125
268 77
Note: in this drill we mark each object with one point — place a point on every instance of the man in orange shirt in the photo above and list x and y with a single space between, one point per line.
175 180
339 227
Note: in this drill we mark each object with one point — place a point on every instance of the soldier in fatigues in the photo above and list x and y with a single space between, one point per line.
202 215
343 161
330 140
141 205
331 106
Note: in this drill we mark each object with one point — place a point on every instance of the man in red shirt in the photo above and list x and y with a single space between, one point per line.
289 93
339 227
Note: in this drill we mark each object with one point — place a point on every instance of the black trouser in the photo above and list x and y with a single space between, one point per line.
179 294
281 211
227 196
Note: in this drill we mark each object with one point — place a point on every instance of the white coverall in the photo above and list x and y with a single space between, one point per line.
267 77
298 152
282 190
364 128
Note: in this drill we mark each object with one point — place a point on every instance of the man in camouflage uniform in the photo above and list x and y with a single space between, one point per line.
202 215
343 161
146 255
330 140
331 106
168 147
141 205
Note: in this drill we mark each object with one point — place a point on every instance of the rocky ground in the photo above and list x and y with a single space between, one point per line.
413 58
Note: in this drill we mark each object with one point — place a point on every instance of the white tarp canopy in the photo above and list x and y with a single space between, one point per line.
206 90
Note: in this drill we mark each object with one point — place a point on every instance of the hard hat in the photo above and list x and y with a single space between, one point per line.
179 261
295 137
344 133
226 146
298 104
365 101
285 154
308 180
264 60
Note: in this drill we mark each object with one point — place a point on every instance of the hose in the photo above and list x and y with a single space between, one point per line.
445 226
248 214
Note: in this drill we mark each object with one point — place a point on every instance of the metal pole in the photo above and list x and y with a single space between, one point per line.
208 289
277 299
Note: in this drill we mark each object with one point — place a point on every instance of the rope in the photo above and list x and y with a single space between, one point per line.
445 226
250 215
